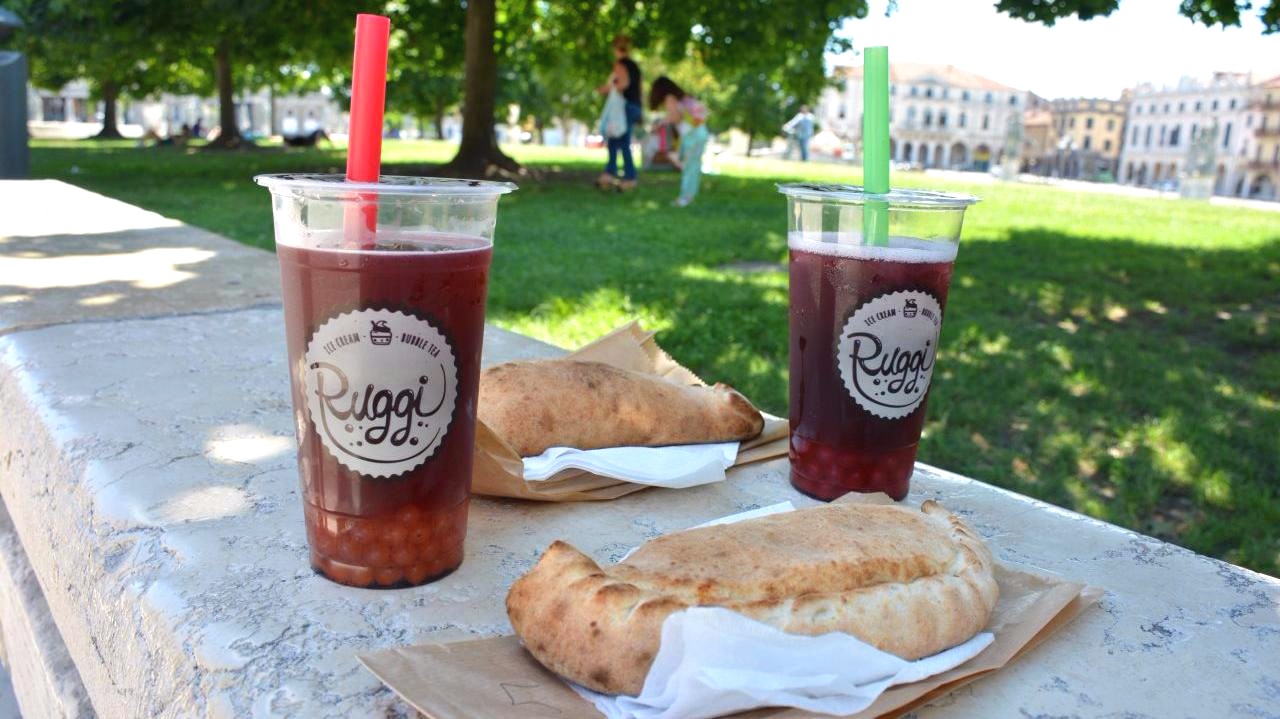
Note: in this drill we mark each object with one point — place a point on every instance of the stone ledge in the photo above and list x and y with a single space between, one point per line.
70 255
45 680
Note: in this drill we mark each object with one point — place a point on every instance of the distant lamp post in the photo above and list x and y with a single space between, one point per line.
13 103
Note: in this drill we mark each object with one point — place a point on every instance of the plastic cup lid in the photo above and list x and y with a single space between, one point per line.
856 194
386 185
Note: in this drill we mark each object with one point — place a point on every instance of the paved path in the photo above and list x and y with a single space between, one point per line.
146 464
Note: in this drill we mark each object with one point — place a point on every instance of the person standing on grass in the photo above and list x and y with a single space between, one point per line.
801 128
625 78
685 110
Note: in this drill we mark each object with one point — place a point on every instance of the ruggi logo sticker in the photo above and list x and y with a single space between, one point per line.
886 350
380 388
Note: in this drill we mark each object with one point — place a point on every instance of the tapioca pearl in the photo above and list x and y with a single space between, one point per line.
348 551
337 571
394 533
403 555
360 533
389 576
409 515
361 576
420 535
325 543
417 573
376 554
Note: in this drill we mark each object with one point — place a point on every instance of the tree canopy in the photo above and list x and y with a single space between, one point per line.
483 54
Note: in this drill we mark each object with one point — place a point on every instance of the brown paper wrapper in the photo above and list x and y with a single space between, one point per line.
496 676
498 470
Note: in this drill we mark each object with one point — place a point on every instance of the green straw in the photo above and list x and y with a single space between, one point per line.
875 143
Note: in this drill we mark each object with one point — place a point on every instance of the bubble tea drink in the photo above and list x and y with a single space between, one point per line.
384 329
865 319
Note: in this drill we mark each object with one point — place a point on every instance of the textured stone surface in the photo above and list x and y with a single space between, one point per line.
148 467
43 679
67 254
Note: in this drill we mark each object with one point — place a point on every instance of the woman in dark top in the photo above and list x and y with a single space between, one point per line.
626 79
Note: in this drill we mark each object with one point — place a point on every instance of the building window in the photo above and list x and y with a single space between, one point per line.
1152 109
928 92
1226 135
911 115
1149 135
1232 104
1013 100
1111 124
914 91
1195 131
1173 135
1214 106
964 119
1135 135
1163 134
1088 123
893 89
1106 146
964 95
1088 141
1137 109
944 93
986 122
1166 108
1071 122
942 118
1182 107
1248 121
987 99
1197 106
928 117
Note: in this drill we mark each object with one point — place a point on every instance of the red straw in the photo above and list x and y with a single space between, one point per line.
368 98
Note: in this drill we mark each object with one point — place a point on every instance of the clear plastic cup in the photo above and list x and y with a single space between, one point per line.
864 323
384 323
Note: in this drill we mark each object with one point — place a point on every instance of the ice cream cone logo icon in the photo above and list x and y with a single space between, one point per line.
909 308
380 334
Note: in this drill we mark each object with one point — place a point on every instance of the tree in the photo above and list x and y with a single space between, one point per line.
263 39
426 62
1226 13
758 105
105 43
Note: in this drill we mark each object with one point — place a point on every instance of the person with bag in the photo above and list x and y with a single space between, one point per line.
622 111
691 115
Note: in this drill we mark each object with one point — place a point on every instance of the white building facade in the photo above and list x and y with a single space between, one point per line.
939 115
70 111
1165 122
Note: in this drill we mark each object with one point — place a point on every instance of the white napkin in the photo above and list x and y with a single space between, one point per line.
676 466
713 661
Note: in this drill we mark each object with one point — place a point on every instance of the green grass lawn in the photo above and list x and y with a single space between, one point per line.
1119 356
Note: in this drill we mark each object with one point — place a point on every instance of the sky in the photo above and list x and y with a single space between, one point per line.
1145 40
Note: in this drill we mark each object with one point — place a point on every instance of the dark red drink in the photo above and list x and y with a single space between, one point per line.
384 354
864 330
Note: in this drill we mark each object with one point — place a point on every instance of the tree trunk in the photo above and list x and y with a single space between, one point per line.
479 150
439 121
751 140
110 122
229 130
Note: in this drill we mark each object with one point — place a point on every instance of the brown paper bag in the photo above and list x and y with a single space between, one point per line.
499 471
496 676
493 677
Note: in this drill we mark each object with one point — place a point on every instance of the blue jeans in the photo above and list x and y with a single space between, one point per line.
804 148
623 145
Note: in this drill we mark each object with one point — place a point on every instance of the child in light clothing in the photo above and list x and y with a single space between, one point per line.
691 115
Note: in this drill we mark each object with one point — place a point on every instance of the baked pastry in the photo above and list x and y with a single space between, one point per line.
534 405
909 582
